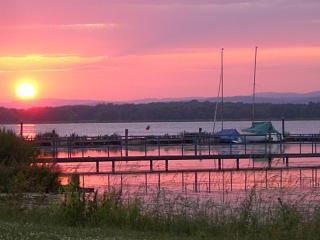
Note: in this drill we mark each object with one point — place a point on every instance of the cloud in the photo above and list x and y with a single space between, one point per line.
87 26
46 63
72 26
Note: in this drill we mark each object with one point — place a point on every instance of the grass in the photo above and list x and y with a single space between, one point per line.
163 217
24 231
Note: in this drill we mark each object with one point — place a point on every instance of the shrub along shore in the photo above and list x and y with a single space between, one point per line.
77 215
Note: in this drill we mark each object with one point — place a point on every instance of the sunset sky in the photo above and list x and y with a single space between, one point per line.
131 49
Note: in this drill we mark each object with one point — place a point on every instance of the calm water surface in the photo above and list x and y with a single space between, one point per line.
207 182
156 128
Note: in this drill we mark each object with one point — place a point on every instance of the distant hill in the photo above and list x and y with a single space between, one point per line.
159 111
263 97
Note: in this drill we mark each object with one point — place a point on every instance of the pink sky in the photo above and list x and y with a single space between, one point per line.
133 49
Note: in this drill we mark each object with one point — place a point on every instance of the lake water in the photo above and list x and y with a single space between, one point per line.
205 183
156 128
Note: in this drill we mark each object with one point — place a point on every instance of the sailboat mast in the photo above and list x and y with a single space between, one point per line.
222 108
220 89
254 85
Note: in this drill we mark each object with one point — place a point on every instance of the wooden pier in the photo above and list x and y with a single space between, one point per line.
184 148
159 157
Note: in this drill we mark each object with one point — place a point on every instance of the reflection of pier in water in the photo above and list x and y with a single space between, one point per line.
200 166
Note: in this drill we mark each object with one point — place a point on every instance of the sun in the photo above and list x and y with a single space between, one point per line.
26 90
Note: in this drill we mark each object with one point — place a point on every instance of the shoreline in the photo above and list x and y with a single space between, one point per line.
155 121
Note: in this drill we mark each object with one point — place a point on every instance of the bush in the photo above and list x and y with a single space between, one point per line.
18 173
14 151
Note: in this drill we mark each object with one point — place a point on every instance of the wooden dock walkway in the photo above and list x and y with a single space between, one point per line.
184 148
157 156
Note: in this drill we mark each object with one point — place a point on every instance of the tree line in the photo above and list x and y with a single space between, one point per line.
159 111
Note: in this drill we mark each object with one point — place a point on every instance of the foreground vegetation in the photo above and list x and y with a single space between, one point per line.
17 171
81 216
172 111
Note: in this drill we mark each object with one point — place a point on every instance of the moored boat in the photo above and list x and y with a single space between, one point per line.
261 132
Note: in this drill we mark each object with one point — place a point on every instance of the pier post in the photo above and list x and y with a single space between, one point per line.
151 166
200 140
182 181
82 149
231 182
287 161
68 147
269 162
219 164
126 142
167 165
97 167
113 167
158 142
209 144
121 182
300 173
283 129
245 144
146 182
196 182
55 148
108 182
300 146
21 129
209 181
238 164
266 177
312 177
281 178
265 145
195 146
159 181
245 180
223 187
182 145
145 146
121 147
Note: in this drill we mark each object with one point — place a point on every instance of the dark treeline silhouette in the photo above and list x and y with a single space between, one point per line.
172 111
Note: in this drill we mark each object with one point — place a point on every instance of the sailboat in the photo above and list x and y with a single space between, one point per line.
259 131
224 135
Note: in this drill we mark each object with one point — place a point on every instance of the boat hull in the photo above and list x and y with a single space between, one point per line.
260 138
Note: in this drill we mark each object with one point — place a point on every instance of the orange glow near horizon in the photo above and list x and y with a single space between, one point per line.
26 90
